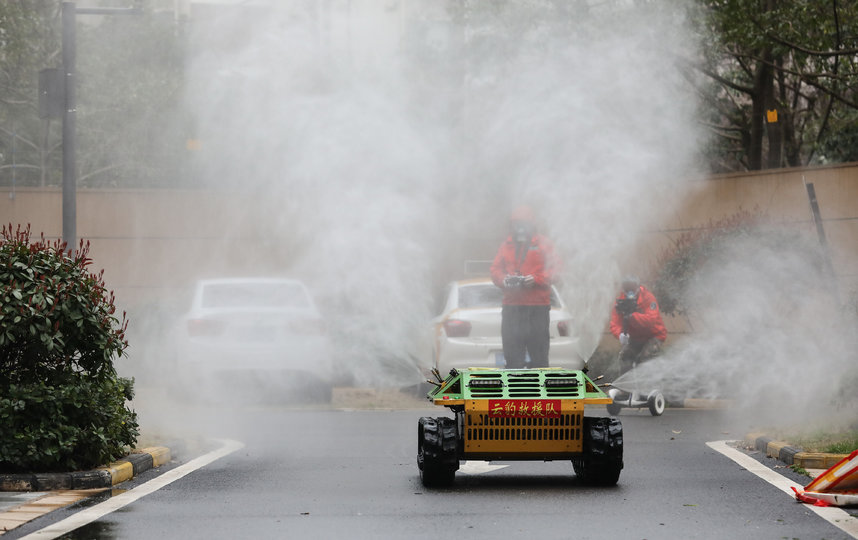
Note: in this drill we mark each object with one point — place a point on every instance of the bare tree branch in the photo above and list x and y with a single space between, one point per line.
17 136
720 79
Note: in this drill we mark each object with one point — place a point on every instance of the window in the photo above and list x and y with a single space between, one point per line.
256 295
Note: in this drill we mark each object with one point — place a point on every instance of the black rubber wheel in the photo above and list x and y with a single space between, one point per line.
614 409
437 456
602 460
656 404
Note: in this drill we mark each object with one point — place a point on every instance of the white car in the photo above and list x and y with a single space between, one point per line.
255 335
467 332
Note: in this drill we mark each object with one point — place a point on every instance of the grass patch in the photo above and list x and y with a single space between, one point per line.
831 442
799 469
843 447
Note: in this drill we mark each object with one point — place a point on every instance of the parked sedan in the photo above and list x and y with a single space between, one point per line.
249 336
467 331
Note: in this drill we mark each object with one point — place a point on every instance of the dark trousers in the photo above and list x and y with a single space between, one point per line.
638 352
524 330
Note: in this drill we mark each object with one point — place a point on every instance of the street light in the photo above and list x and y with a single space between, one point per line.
70 11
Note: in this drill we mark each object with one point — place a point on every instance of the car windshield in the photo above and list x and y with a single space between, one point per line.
261 295
489 296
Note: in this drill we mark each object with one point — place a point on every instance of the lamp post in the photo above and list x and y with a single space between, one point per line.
70 11
69 125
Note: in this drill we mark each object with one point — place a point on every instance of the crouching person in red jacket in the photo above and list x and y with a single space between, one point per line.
523 268
636 322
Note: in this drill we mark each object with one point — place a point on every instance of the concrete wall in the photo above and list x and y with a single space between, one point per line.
782 195
151 243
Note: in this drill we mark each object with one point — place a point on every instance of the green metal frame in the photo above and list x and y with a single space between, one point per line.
536 383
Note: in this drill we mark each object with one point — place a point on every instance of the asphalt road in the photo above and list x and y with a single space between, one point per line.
352 474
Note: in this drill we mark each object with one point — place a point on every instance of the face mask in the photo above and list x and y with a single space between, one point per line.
632 294
521 232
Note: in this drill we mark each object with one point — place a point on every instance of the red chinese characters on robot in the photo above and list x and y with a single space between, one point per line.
524 408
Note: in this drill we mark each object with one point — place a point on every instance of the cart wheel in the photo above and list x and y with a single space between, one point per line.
615 407
656 404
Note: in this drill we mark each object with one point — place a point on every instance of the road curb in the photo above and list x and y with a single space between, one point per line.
102 477
791 455
698 403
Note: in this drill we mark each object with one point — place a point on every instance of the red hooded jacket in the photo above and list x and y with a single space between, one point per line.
538 261
646 323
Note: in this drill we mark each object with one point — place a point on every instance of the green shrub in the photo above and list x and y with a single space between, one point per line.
677 267
747 252
62 405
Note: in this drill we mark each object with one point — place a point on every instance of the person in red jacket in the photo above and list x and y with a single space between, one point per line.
636 322
523 268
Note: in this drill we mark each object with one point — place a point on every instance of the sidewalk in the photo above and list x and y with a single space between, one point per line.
24 497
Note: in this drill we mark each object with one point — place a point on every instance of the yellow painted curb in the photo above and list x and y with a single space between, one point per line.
120 471
773 449
695 403
751 438
160 455
123 470
816 460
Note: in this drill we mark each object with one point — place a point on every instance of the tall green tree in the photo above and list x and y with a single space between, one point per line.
778 81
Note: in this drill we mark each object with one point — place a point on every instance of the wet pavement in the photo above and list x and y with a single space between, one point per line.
18 507
9 500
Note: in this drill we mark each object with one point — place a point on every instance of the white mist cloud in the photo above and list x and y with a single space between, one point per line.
771 333
374 157
598 132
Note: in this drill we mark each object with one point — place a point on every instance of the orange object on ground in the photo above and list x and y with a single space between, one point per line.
838 486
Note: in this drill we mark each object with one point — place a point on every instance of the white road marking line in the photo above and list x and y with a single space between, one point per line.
115 503
479 467
837 517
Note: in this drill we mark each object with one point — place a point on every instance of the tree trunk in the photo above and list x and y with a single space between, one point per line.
761 97
791 146
774 124
762 84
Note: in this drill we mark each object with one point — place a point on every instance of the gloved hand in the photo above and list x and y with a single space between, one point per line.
624 339
529 281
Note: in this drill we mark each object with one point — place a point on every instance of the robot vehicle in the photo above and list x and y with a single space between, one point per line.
518 414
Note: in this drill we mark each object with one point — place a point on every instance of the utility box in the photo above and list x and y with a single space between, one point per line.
51 93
